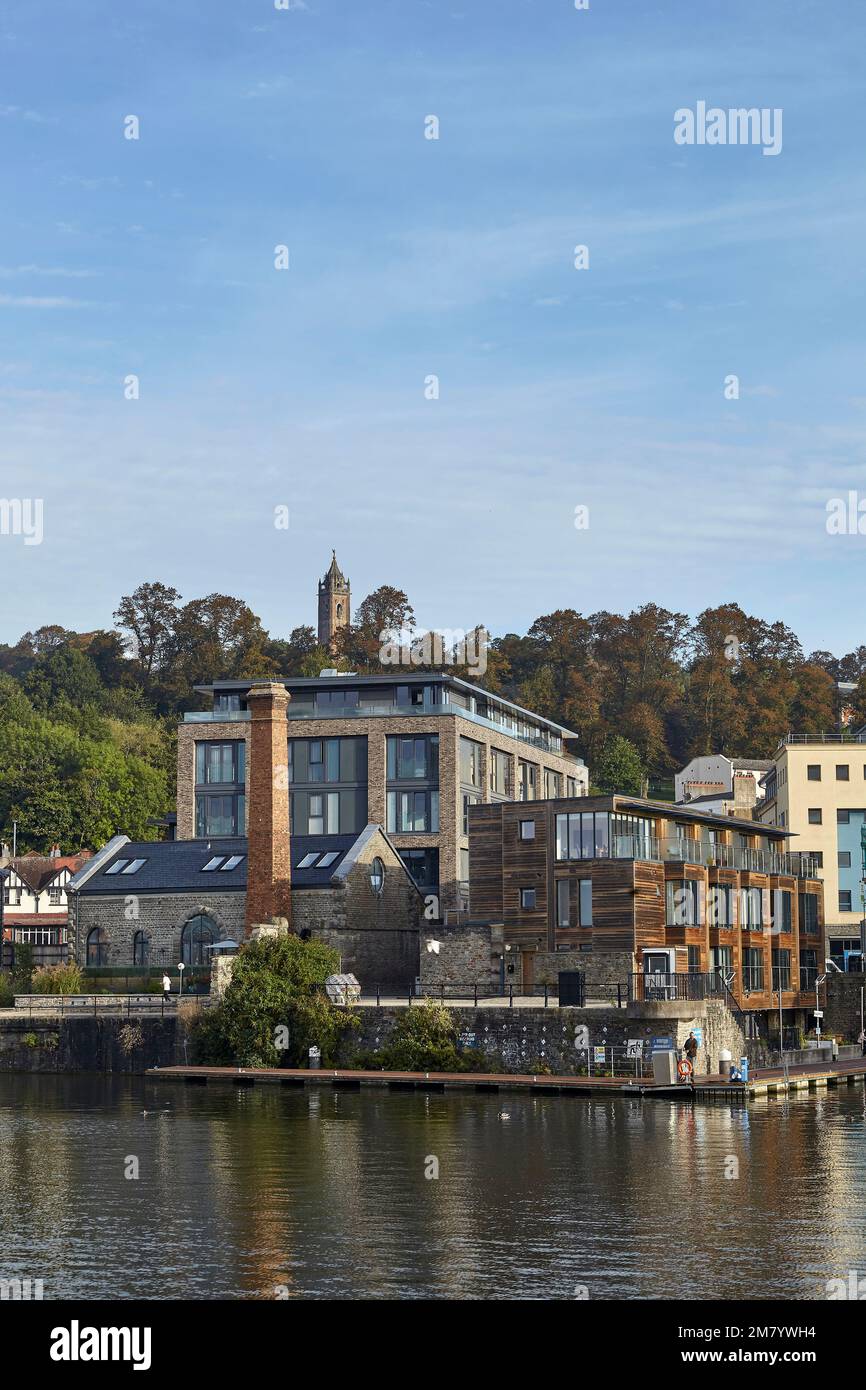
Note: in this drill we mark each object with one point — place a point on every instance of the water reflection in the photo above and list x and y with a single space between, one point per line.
245 1191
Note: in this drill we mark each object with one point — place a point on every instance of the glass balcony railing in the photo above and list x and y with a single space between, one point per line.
215 716
710 855
537 738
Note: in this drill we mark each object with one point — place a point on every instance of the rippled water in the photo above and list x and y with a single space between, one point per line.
242 1192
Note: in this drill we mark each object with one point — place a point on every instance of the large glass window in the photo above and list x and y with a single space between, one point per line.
500 773
781 910
720 907
808 903
223 814
753 968
97 947
423 865
584 901
563 902
413 758
413 812
198 932
528 786
722 960
470 762
552 783
221 763
583 835
682 900
751 909
781 969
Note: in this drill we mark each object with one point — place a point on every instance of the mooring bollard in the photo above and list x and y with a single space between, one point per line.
545 996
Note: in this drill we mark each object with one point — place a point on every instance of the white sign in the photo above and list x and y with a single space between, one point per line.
819 1013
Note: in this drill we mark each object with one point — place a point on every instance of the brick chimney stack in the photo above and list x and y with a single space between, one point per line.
269 873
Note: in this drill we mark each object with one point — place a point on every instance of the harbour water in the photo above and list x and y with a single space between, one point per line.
271 1193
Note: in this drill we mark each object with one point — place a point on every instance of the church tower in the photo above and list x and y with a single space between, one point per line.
335 597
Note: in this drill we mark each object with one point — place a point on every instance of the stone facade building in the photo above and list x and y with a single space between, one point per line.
158 903
409 751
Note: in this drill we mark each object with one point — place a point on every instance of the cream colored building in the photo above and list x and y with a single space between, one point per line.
816 788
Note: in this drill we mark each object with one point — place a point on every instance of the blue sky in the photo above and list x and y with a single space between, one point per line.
409 257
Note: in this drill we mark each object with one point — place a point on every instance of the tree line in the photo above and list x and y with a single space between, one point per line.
88 720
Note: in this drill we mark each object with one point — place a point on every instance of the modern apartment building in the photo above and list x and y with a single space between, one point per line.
816 789
670 900
410 754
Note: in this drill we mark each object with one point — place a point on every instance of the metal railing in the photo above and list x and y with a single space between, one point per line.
656 987
707 855
843 737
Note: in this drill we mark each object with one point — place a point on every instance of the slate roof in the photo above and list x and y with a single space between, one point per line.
176 866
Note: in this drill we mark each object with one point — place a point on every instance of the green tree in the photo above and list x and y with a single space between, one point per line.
619 767
276 1007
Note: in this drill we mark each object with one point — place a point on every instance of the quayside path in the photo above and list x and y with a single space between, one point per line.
767 1081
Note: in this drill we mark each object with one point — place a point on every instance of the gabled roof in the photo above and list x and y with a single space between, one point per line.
177 866
39 871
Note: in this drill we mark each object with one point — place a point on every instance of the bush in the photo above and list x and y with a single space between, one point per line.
58 979
22 970
275 1008
7 990
424 1038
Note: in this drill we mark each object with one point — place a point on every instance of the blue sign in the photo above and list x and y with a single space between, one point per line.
662 1044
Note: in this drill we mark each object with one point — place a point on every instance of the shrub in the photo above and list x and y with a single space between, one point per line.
424 1038
7 990
58 979
275 1007
30 1039
22 970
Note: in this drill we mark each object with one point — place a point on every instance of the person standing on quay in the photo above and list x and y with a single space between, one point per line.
166 986
690 1048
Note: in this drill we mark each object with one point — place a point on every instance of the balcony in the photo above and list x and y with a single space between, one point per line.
656 987
822 738
711 856
538 739
215 716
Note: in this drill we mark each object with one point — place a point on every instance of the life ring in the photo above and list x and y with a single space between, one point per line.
684 1069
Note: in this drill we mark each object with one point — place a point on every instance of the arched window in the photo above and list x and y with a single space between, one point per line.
377 875
97 947
339 610
141 948
199 931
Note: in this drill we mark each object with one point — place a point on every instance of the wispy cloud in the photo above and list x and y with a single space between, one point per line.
30 301
7 272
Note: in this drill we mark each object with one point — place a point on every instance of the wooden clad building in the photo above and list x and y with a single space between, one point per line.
658 889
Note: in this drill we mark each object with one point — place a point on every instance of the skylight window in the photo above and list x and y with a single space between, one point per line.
327 859
134 866
307 862
213 863
117 866
232 862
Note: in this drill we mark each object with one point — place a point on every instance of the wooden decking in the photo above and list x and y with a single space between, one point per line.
764 1083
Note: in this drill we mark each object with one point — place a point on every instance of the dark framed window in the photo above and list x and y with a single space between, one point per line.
781 969
527 898
808 905
377 876
527 830
694 959
753 968
813 772
469 799
782 910
220 764
584 900
220 813
844 857
720 906
808 969
845 900
413 812
413 759
682 899
198 933
842 817
563 902
97 947
843 772
423 865
141 948
815 817
751 909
